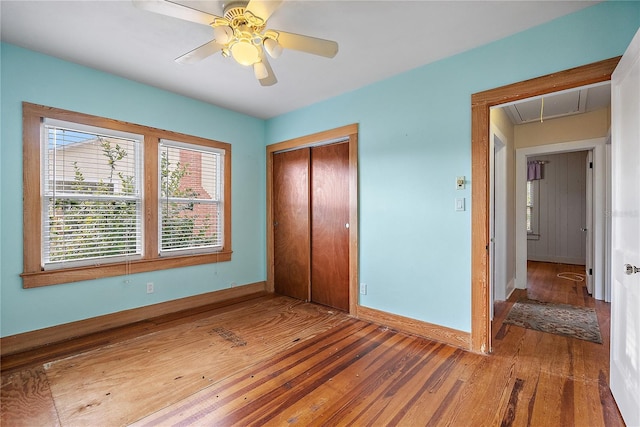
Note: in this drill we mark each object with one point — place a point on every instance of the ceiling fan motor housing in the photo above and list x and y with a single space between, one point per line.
234 9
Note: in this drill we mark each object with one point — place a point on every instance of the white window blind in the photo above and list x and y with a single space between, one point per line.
92 201
532 207
190 198
529 206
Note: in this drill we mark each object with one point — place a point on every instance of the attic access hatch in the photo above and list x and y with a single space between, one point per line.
582 100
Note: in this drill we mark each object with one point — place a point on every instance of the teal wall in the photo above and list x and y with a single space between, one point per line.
415 138
32 77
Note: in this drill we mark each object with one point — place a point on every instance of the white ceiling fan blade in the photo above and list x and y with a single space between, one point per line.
315 46
271 79
175 10
263 8
200 53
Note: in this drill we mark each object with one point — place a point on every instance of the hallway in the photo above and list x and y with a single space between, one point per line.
576 372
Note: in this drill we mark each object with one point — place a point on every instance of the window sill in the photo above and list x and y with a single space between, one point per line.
69 275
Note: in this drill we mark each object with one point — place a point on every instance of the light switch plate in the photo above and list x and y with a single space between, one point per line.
460 204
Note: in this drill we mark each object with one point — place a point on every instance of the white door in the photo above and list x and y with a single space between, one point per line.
625 297
588 228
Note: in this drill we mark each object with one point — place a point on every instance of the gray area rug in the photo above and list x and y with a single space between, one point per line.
559 319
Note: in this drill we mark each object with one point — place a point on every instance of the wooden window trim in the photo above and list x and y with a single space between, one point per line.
481 104
34 275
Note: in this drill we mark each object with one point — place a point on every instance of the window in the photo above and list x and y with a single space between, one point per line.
92 198
529 206
532 208
190 198
106 198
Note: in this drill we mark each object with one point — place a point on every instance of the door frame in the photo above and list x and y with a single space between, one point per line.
348 133
481 104
593 210
498 210
597 206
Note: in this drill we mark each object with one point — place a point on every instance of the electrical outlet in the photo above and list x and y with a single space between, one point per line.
150 287
363 288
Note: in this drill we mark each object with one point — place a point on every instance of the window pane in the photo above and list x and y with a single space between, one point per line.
91 197
531 206
85 229
190 197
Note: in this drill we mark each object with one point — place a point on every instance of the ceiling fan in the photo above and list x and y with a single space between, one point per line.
241 34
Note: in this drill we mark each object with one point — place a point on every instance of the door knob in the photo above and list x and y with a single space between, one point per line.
631 269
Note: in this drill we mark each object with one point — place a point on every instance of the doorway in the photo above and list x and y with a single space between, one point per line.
324 145
594 212
480 115
555 208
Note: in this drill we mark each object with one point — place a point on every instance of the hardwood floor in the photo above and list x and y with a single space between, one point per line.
277 361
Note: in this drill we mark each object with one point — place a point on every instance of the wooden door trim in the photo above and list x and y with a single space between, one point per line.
349 133
481 104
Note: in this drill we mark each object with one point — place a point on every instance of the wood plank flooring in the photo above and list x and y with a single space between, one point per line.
278 361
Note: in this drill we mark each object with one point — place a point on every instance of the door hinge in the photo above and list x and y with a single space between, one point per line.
590 165
591 272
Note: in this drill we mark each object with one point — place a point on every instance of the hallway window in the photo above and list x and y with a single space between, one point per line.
532 216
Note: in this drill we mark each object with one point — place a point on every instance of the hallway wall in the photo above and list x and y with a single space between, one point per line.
559 210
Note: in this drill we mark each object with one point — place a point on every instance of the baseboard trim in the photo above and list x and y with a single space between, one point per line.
556 259
427 330
33 339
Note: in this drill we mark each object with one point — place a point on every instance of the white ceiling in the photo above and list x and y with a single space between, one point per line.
377 39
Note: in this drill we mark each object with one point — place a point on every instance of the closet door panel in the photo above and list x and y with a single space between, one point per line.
291 223
329 230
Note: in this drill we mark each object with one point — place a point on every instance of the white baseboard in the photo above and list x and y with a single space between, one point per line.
556 259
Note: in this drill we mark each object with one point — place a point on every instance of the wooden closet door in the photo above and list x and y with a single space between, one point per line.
291 223
329 232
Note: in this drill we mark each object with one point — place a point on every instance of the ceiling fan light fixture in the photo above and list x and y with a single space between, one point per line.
245 53
242 34
260 70
222 34
273 48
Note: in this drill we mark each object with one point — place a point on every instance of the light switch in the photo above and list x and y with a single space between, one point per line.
460 183
460 204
